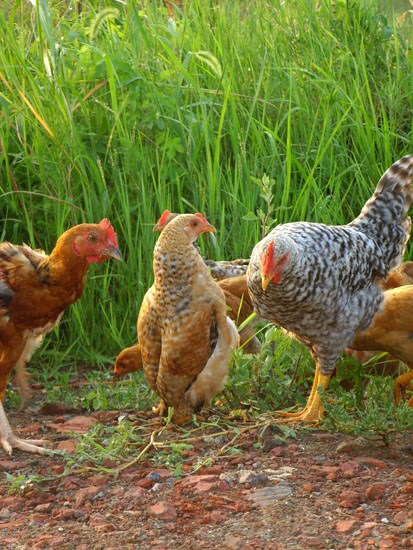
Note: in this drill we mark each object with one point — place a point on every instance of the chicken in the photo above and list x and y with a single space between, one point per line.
128 360
391 330
239 308
321 283
387 364
35 289
185 335
219 269
399 277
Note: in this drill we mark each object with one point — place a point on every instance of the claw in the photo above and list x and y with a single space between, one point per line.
9 441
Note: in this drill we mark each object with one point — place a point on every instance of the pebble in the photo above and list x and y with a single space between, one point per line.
163 510
345 526
375 492
253 478
87 494
267 495
371 462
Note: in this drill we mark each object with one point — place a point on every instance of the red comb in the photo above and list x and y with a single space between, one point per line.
107 227
199 215
164 218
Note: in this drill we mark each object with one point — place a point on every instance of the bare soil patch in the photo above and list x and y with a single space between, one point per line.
321 490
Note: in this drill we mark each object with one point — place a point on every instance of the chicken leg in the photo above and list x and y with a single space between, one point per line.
9 441
313 409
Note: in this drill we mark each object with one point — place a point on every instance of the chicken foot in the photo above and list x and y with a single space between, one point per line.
313 410
402 382
9 441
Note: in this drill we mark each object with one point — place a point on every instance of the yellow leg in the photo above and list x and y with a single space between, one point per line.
312 395
402 382
313 410
161 409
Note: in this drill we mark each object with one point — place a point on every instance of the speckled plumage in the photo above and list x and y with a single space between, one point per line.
222 269
183 362
329 284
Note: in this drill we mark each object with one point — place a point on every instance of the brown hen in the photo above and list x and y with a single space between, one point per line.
392 331
185 335
239 308
35 289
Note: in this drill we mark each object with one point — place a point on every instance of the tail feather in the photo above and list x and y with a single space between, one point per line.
384 216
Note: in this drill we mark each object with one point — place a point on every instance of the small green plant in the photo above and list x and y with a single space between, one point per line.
377 416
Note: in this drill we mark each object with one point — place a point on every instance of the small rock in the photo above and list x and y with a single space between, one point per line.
68 446
350 499
87 494
308 487
345 526
154 476
384 520
253 478
145 483
375 492
371 462
163 510
77 424
267 495
278 451
46 507
12 465
31 429
135 493
216 469
280 473
194 479
407 488
203 487
66 514
347 446
36 519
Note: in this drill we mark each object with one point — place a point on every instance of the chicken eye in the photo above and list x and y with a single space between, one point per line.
194 223
93 239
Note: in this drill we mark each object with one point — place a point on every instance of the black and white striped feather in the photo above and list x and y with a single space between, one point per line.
328 289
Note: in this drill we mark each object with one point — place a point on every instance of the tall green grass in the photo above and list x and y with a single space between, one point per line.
120 111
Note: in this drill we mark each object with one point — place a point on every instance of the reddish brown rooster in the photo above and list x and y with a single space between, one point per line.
35 289
321 283
185 335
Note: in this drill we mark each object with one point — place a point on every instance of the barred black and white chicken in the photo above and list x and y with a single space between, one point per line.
321 283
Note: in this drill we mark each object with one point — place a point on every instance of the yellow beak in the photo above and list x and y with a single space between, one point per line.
209 229
265 281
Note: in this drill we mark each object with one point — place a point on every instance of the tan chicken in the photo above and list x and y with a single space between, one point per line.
185 335
128 360
399 277
219 269
387 364
239 308
391 331
35 289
